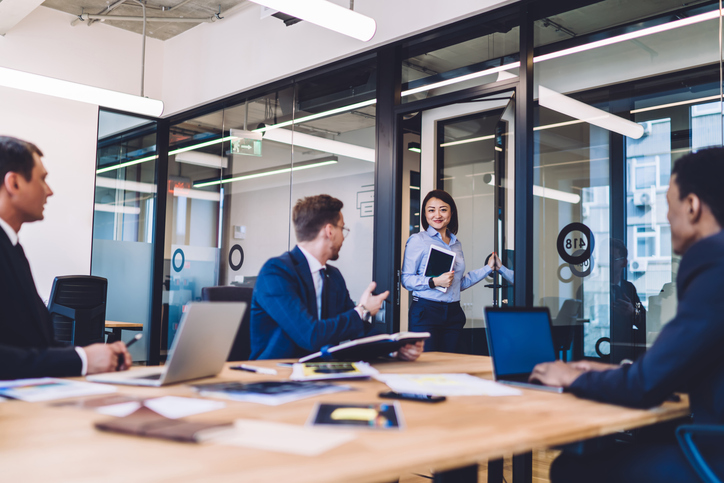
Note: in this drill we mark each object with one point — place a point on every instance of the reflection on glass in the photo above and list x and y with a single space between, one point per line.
123 219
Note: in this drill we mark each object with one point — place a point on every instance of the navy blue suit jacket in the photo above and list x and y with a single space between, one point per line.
687 355
284 319
27 344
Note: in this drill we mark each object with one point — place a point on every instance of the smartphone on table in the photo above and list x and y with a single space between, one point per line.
408 396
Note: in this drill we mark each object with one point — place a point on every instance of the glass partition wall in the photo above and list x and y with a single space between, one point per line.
555 126
623 89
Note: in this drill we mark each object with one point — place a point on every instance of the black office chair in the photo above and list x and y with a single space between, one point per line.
685 434
241 349
78 309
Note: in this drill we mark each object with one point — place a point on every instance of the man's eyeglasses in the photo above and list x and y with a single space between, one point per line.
345 230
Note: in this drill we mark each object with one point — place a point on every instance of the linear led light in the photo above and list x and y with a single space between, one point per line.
197 194
630 36
268 172
318 115
462 78
580 110
126 210
542 192
466 141
674 104
200 145
50 86
126 185
321 144
327 15
414 147
126 164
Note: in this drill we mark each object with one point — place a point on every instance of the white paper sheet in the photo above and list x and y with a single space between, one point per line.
446 385
284 438
48 389
175 407
119 410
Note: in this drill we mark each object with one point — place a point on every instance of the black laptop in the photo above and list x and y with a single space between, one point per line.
518 339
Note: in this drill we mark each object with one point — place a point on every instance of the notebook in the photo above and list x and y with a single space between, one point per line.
518 339
202 344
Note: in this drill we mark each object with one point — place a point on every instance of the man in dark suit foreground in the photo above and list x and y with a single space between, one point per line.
687 356
301 304
27 345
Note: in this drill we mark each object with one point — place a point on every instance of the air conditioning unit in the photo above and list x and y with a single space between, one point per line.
642 198
639 265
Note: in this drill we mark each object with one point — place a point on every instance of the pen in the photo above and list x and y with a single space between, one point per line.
135 339
260 370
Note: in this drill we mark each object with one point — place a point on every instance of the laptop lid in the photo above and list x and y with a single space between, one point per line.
206 333
518 339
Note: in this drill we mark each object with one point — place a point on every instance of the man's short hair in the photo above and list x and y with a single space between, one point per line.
701 173
16 156
310 214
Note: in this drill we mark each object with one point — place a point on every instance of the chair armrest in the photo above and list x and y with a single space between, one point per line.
685 435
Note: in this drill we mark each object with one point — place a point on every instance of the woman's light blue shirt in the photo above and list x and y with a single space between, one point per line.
414 279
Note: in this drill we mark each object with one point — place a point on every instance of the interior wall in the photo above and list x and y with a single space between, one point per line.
45 43
61 243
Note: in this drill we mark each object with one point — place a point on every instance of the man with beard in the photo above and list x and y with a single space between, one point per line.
687 355
301 304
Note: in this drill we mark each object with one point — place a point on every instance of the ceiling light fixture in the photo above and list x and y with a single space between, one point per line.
324 145
314 163
631 35
319 115
327 15
462 78
466 141
49 86
674 104
414 147
489 178
126 164
592 115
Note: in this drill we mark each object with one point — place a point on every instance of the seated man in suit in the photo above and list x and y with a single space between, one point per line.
301 304
27 345
687 356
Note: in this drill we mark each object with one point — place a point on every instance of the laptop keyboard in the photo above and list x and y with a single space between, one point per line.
152 377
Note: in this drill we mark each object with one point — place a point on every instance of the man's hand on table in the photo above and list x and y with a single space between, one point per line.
410 352
107 357
560 374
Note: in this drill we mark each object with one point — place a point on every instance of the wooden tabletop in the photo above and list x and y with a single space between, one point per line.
110 324
40 442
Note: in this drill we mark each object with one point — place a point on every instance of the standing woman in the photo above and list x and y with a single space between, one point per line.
432 310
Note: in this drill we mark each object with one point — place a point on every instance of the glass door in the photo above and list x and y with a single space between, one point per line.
467 150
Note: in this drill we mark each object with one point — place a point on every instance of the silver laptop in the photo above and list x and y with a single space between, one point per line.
206 332
518 339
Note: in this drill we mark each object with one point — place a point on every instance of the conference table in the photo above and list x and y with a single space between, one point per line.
119 327
42 442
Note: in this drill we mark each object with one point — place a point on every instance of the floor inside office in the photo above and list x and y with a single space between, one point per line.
542 460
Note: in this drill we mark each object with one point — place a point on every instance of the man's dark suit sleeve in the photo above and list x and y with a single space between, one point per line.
277 292
685 350
18 363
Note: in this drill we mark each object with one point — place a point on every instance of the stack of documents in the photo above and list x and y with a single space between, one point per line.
446 385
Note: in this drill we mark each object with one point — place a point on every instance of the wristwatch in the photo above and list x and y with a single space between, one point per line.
431 282
364 314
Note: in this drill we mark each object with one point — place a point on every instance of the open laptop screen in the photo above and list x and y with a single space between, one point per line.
519 339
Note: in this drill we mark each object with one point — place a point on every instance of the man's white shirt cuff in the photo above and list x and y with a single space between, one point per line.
83 360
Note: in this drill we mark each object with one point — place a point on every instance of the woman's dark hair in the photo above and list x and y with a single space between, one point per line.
701 173
443 196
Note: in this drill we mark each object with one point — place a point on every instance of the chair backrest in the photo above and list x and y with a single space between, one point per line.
78 308
241 349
